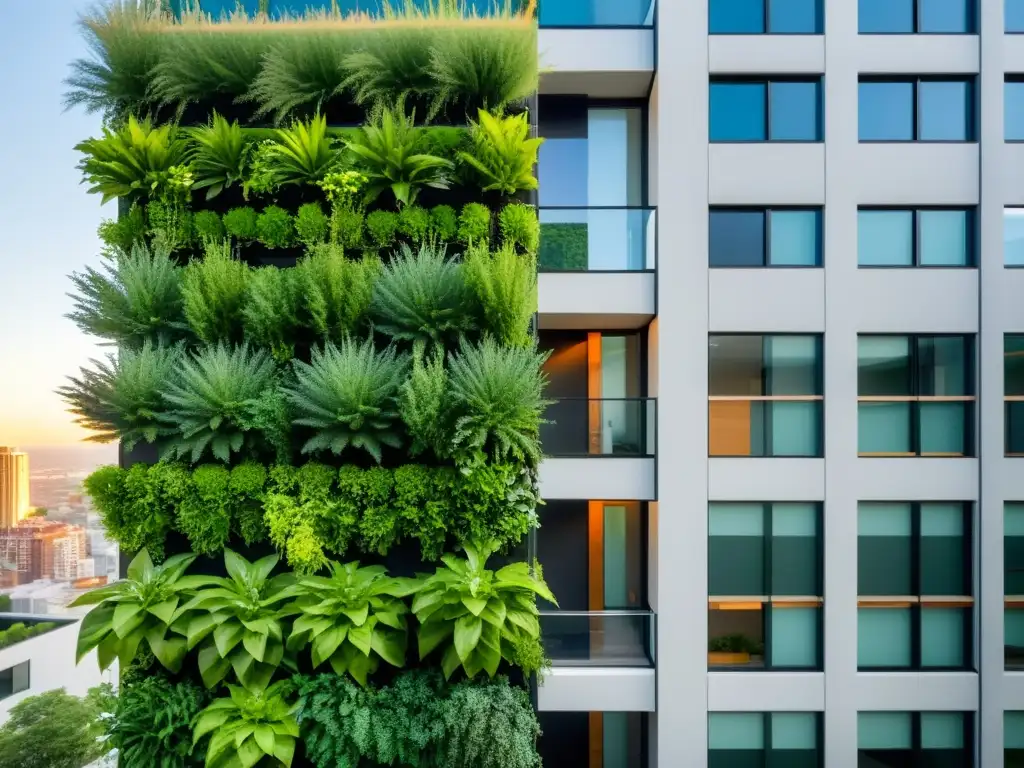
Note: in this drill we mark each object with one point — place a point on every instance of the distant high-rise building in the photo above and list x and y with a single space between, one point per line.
14 500
38 548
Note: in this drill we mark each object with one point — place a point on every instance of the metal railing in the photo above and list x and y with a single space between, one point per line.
600 427
598 239
613 638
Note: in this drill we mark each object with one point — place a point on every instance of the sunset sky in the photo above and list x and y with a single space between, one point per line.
47 221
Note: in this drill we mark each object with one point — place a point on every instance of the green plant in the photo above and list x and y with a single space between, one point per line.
337 291
140 611
219 155
342 188
736 643
414 223
520 227
135 510
444 223
121 399
239 622
208 227
214 292
347 394
388 150
372 493
302 153
352 619
422 296
275 228
475 224
477 613
211 400
270 312
151 726
563 247
389 66
241 224
135 298
423 405
503 154
246 488
18 632
170 224
125 232
136 158
382 226
260 179
497 401
505 285
203 509
346 227
311 225
55 730
249 727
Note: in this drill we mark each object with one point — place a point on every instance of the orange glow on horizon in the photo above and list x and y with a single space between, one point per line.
51 428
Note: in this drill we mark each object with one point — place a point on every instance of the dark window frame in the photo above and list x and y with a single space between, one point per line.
971 6
766 751
766 256
967 552
969 748
915 81
27 664
767 81
1015 78
915 231
819 7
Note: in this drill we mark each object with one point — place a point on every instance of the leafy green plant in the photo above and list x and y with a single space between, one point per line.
271 310
211 400
140 611
304 515
208 227
311 225
444 223
477 614
135 297
121 398
352 619
337 291
423 405
342 188
218 155
505 285
503 154
18 632
382 226
389 66
238 622
55 730
136 158
126 232
347 394
260 179
302 153
241 224
275 228
246 490
170 224
475 224
414 223
347 227
151 725
214 292
497 400
422 296
389 152
203 509
736 643
135 510
520 227
249 728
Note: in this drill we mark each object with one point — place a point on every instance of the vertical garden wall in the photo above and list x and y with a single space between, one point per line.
318 292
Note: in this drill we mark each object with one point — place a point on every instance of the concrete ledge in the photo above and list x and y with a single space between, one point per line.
599 689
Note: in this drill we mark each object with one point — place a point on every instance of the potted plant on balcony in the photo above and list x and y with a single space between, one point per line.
731 650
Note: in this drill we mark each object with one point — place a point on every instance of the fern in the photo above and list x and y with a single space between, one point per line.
423 406
503 153
151 726
506 289
219 155
211 401
303 153
348 395
214 291
497 396
121 399
270 310
136 297
195 65
392 65
336 291
422 297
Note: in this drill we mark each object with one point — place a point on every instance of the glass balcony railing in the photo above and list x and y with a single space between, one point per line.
621 14
600 427
597 240
599 638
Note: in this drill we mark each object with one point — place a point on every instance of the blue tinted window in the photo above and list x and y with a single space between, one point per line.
886 111
218 7
1013 110
1013 237
944 111
795 111
792 17
584 13
885 16
1013 15
738 111
945 16
885 238
795 238
736 17
736 239
944 238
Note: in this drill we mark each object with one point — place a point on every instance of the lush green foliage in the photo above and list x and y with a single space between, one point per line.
241 223
18 632
311 225
382 227
271 310
424 403
208 227
503 153
477 616
125 232
563 247
337 292
520 227
274 227
219 155
475 224
444 223
214 290
55 730
152 723
347 394
505 285
134 504
302 153
249 727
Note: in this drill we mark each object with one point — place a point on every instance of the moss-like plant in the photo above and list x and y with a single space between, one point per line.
203 509
444 223
271 310
348 395
503 154
241 224
208 227
347 227
505 284
311 225
215 290
475 224
134 506
337 291
520 227
422 296
126 232
219 155
382 227
414 223
245 487
275 228
170 223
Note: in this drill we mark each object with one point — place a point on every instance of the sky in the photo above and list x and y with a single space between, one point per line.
47 220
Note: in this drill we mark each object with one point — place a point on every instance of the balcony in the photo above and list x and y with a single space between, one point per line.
622 431
599 638
597 267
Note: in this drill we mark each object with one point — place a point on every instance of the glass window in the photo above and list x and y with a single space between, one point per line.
759 740
885 238
1013 739
794 111
14 679
900 739
932 16
1013 110
927 238
765 395
945 238
885 16
916 110
611 739
1013 390
794 17
795 238
738 238
937 17
944 110
1013 237
886 111
1013 584
749 17
1013 16
736 17
585 13
740 110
